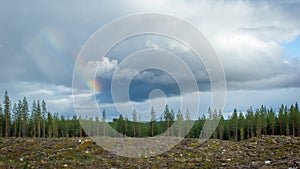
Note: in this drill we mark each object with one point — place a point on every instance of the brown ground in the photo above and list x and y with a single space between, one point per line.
265 152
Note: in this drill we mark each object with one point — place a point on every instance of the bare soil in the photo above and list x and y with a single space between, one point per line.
264 152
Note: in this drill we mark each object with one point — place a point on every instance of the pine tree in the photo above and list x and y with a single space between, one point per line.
172 119
14 119
121 125
33 118
298 118
38 111
62 126
7 116
234 121
179 122
43 116
134 119
286 121
56 125
1 121
126 126
263 114
281 119
250 122
80 128
258 125
19 119
214 121
25 111
210 118
167 119
153 116
50 124
188 123
293 118
242 126
221 125
103 122
272 120
139 126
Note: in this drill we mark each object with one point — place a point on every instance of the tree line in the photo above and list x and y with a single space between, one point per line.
22 120
18 120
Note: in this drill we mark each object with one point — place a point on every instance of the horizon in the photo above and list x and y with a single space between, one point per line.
260 55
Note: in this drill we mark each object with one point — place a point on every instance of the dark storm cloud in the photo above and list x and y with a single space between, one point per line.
39 43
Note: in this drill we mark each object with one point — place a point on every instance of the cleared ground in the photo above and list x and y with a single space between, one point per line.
264 152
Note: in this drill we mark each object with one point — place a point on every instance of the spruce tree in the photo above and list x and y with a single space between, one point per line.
286 121
298 118
258 124
272 120
19 118
7 114
234 124
221 125
43 117
281 119
250 122
25 115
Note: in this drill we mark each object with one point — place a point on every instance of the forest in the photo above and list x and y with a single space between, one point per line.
23 120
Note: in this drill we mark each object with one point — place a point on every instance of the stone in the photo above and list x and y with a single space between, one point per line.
267 162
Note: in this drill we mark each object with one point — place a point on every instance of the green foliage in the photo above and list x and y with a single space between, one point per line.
7 114
40 122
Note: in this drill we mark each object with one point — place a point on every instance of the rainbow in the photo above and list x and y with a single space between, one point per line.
55 40
94 85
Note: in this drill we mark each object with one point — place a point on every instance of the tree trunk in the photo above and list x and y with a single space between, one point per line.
6 125
49 132
168 125
39 126
293 128
221 134
15 129
44 128
34 130
152 129
252 132
80 132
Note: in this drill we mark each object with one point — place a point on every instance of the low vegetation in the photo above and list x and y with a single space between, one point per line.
263 152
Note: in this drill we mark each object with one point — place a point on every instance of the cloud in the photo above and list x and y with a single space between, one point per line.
57 97
106 67
40 42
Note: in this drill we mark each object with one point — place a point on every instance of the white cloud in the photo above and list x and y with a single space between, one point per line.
246 34
106 67
57 97
40 92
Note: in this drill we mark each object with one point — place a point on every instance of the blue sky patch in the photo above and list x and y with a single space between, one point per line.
292 49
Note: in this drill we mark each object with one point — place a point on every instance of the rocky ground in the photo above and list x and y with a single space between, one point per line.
265 152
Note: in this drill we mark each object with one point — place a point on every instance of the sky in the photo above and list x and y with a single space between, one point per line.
258 43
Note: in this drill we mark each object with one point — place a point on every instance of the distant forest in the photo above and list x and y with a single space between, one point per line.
18 120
